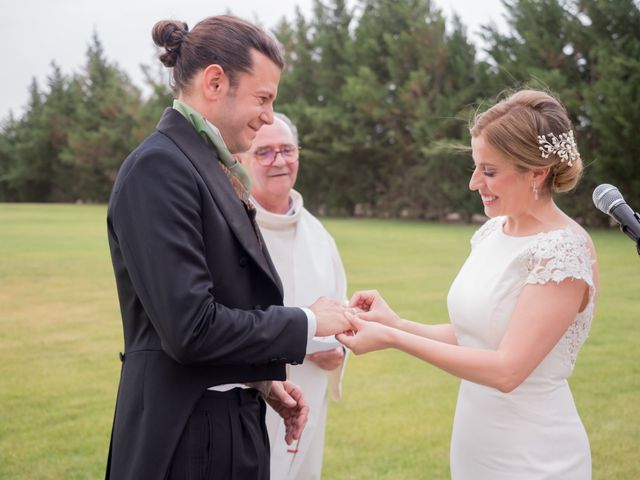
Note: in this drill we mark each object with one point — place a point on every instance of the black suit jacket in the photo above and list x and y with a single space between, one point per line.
201 302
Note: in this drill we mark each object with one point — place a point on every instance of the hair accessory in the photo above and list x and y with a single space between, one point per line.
564 146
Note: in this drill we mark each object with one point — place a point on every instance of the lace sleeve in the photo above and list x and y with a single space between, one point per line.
559 255
485 230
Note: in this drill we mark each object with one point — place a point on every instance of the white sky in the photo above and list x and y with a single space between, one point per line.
37 32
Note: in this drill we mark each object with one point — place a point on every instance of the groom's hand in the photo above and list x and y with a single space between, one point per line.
287 400
330 318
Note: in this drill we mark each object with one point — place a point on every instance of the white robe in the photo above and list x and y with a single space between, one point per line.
308 262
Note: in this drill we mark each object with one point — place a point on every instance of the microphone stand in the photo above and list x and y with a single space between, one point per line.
630 234
635 214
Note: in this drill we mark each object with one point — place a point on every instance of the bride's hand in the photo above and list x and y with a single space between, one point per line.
365 336
374 308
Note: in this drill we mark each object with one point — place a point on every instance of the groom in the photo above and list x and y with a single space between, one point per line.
201 303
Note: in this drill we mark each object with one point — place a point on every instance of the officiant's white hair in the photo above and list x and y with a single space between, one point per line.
288 123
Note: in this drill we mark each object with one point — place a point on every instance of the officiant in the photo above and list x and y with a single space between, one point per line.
307 260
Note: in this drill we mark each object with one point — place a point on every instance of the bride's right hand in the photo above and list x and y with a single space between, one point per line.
374 308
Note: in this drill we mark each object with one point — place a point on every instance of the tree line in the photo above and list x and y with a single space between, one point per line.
382 92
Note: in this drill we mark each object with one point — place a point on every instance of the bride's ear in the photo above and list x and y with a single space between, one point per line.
540 176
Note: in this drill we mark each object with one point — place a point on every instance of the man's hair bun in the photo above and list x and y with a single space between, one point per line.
170 35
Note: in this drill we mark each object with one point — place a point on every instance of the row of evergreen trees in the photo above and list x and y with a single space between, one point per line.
382 93
73 135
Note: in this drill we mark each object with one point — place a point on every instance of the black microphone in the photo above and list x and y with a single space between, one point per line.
609 200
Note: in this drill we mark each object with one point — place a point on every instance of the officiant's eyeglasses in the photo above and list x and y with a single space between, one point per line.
267 155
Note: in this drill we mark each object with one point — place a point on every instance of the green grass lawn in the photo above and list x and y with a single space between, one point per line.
60 335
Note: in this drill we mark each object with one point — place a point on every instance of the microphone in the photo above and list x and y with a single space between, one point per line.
609 200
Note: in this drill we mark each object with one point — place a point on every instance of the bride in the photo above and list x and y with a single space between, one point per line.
520 307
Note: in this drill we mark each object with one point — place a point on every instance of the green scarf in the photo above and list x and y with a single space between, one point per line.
233 167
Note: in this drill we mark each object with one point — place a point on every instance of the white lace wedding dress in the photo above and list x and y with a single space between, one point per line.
533 432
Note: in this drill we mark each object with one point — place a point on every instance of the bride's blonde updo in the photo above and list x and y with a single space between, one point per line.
513 127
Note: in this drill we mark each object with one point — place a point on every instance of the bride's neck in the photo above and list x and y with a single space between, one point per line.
543 216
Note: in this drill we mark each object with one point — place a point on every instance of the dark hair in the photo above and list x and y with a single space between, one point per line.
224 40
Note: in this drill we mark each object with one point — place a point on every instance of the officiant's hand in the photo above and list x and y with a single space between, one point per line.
330 317
366 336
329 359
374 307
287 400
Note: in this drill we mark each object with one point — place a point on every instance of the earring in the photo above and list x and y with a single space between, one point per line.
535 190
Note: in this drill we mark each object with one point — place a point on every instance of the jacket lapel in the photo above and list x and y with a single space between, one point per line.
272 267
205 160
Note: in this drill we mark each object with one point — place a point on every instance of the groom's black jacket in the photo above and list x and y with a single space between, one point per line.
199 297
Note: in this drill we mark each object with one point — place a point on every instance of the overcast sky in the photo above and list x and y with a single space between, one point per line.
37 32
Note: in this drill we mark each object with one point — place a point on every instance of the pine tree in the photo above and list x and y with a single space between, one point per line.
157 78
26 170
103 127
612 96
586 52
